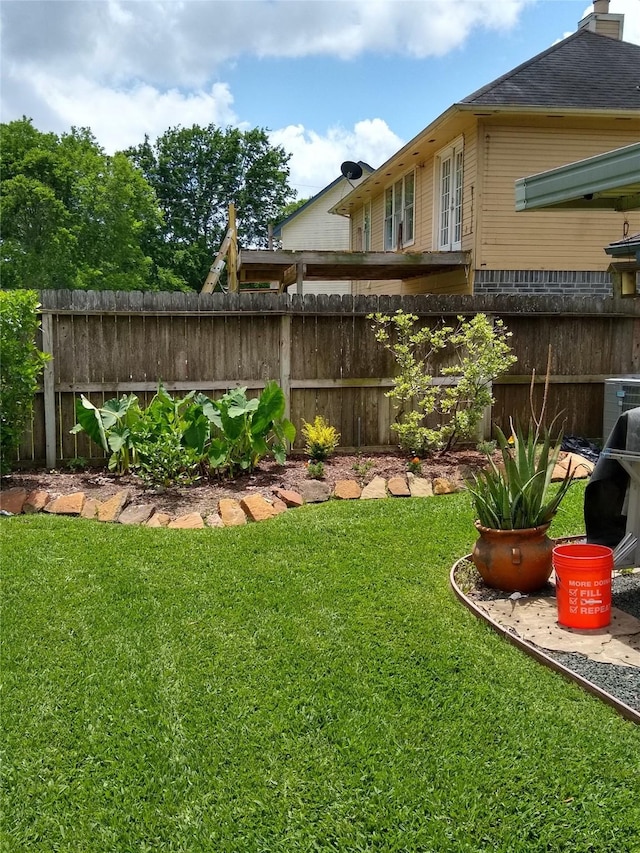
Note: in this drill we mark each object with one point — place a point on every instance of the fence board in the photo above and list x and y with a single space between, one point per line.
110 343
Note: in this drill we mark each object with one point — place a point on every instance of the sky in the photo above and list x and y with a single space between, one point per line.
331 80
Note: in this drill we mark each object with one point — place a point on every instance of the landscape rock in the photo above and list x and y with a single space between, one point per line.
279 506
374 490
67 504
398 487
36 501
214 520
136 514
256 508
159 519
419 487
109 510
90 508
13 500
442 486
289 497
189 521
347 490
315 492
231 512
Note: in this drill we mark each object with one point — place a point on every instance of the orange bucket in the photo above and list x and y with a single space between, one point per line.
583 585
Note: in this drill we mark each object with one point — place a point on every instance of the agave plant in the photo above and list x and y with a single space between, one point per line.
516 495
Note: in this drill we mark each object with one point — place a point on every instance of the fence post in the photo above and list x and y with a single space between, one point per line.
49 392
285 362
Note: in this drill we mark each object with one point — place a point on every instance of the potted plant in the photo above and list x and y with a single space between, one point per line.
515 503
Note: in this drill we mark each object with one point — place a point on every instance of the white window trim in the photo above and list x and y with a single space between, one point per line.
366 212
448 154
392 187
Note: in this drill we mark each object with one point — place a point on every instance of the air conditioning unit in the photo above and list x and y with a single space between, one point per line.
621 393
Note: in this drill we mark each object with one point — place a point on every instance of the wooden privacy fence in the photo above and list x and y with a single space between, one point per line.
321 349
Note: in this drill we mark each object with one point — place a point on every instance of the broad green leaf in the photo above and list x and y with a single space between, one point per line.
90 420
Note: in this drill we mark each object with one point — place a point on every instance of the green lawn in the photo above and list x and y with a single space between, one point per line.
306 684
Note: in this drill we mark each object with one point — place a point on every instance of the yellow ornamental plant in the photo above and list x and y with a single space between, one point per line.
322 438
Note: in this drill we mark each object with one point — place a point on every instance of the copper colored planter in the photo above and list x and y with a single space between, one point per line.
514 560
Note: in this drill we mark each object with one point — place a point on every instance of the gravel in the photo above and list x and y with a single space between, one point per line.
622 682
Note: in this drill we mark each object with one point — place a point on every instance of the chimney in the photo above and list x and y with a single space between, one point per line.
602 22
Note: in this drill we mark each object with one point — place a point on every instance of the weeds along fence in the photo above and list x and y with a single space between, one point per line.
322 351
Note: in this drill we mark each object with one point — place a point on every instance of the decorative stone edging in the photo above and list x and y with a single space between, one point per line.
229 512
254 507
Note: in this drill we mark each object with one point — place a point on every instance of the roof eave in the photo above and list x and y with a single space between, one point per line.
366 186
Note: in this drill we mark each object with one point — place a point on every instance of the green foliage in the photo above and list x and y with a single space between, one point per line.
73 217
20 366
518 494
480 352
361 468
322 438
112 426
248 429
78 463
173 440
196 172
414 466
315 470
169 439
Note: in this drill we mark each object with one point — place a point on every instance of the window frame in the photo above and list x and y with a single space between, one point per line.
398 208
449 197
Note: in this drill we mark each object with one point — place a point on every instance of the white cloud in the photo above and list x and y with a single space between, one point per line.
167 42
316 159
128 68
119 118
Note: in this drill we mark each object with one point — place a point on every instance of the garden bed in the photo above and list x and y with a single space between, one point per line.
268 476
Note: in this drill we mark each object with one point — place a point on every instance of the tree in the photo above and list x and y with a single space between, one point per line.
74 217
196 173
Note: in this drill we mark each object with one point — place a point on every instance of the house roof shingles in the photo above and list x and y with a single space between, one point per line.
585 70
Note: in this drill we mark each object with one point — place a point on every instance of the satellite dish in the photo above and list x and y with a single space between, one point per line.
350 170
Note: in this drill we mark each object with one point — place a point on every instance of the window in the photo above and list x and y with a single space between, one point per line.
399 213
366 228
363 231
449 219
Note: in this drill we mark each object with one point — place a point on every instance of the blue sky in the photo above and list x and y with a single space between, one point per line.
331 79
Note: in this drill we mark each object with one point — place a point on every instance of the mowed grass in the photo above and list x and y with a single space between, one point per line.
306 684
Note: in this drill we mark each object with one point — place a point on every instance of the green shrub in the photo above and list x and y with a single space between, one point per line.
21 363
322 438
480 352
173 440
315 470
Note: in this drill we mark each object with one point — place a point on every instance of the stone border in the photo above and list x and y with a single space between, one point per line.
254 507
229 513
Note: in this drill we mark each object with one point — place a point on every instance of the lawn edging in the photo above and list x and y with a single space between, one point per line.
535 651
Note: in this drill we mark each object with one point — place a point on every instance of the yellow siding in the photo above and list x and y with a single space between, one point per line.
447 282
544 240
371 288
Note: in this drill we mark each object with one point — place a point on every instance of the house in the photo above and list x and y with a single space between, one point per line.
311 226
450 191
